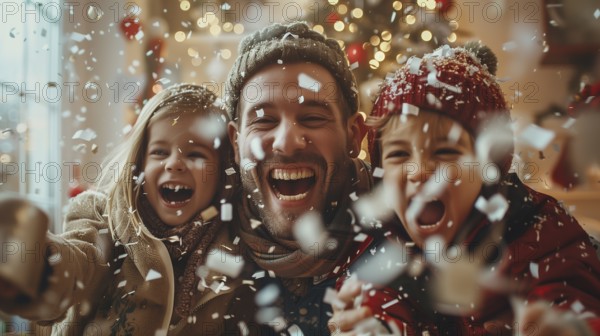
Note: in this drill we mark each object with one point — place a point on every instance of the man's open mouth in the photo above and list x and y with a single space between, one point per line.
176 193
292 184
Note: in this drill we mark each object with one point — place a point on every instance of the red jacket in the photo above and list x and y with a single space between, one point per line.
546 255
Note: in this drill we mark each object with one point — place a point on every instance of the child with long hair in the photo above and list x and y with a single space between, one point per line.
132 258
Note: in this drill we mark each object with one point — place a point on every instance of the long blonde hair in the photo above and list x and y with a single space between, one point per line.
128 157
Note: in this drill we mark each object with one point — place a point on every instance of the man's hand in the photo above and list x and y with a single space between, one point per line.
344 320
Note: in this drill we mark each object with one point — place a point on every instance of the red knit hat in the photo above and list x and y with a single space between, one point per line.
459 83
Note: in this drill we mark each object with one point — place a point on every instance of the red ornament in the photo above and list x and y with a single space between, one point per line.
332 18
443 5
356 53
130 26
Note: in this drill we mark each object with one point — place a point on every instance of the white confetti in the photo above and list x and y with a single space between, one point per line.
260 113
254 223
577 307
384 266
226 212
309 232
361 237
300 99
378 172
259 275
122 284
243 328
288 35
309 83
230 171
267 295
414 63
534 268
597 13
536 136
389 304
353 196
139 35
161 332
86 134
223 262
494 208
257 149
410 109
354 66
153 275
209 213
294 330
80 37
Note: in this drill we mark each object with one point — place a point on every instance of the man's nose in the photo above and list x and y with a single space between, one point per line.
288 138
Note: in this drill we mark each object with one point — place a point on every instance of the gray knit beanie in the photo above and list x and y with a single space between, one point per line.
290 43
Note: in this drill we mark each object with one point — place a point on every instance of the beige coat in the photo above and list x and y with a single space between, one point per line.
97 288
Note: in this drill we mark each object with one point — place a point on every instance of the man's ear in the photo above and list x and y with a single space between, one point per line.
232 132
356 133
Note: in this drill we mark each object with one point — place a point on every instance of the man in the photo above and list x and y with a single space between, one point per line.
296 134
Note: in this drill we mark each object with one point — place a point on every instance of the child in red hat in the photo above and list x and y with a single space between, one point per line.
512 259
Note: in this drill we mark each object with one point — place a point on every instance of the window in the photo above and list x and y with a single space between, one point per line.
29 113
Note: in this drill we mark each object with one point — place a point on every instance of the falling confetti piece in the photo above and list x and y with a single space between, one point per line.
257 149
260 113
361 237
86 134
226 212
153 275
243 328
309 83
410 109
254 223
267 295
536 136
294 330
309 232
382 267
414 63
230 171
224 262
209 213
389 304
378 172
534 268
494 208
577 307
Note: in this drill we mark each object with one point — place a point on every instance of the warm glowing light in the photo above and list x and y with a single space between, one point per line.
184 5
374 40
238 28
357 13
397 5
385 46
386 35
228 27
226 54
426 35
215 30
319 29
374 64
342 9
339 26
452 37
180 36
411 19
380 56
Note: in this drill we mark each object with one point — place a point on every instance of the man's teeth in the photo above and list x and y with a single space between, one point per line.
292 197
292 174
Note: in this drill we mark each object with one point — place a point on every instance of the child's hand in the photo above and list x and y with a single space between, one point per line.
344 320
540 318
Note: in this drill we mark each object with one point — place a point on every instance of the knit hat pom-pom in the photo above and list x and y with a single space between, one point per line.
484 54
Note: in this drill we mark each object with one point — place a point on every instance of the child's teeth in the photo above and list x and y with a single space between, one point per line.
292 197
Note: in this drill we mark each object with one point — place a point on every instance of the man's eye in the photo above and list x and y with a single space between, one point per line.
312 120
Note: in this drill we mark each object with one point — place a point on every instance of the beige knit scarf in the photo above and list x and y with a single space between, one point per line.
186 243
286 259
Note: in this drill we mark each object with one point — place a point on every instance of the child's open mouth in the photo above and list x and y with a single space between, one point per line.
176 194
432 213
292 184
